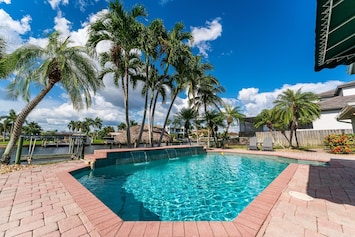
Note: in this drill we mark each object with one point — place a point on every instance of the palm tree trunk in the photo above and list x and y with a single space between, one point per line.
153 111
150 123
125 98
160 85
166 119
296 139
208 138
21 118
143 119
291 137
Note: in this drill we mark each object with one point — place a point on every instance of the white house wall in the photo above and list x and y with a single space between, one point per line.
348 91
328 120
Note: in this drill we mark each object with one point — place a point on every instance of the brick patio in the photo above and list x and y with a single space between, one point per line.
48 201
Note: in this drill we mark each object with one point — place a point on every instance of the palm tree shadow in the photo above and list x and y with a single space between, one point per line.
335 183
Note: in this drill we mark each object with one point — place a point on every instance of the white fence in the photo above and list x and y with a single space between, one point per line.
306 137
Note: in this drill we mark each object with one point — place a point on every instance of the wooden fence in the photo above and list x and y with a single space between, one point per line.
306 137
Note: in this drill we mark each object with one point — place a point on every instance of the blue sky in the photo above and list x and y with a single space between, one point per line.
258 48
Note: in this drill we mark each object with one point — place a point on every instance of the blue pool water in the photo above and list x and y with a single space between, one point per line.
209 187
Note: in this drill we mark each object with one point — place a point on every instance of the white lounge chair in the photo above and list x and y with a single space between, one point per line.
267 144
253 144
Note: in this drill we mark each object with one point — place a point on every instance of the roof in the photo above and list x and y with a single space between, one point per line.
326 94
332 93
345 85
134 130
335 33
347 112
336 102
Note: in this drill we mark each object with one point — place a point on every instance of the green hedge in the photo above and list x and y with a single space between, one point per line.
340 143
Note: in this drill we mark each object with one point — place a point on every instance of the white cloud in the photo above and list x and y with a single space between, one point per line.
41 42
202 35
84 3
55 3
62 25
5 1
11 30
163 2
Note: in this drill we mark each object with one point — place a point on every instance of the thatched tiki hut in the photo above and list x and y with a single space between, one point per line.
122 139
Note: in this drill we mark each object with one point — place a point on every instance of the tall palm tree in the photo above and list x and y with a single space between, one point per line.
2 46
178 82
56 63
187 116
2 61
295 108
206 94
122 30
197 73
149 46
173 48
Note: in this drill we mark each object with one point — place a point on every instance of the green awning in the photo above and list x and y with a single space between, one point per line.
335 33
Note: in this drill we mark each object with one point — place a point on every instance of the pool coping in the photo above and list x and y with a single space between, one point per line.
248 223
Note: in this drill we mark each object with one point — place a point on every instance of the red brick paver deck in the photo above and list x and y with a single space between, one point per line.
48 201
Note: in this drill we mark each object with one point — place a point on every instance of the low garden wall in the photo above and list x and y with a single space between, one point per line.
306 137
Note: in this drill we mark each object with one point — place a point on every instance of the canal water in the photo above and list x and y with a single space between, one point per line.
57 150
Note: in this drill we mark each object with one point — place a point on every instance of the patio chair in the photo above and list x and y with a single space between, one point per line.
253 144
267 144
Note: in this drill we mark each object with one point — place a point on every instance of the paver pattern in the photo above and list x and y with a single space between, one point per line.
48 201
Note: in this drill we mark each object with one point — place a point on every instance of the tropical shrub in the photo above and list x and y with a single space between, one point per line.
340 143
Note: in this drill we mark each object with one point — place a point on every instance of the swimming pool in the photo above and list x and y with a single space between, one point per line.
210 187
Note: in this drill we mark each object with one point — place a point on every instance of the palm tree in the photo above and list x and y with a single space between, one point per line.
178 82
122 29
122 126
12 118
97 123
2 61
73 125
186 116
173 48
295 108
9 120
105 131
149 46
206 94
2 47
32 128
232 114
267 117
57 63
6 126
213 119
197 73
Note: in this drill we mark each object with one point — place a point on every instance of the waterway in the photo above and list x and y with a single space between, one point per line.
57 150
39 150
